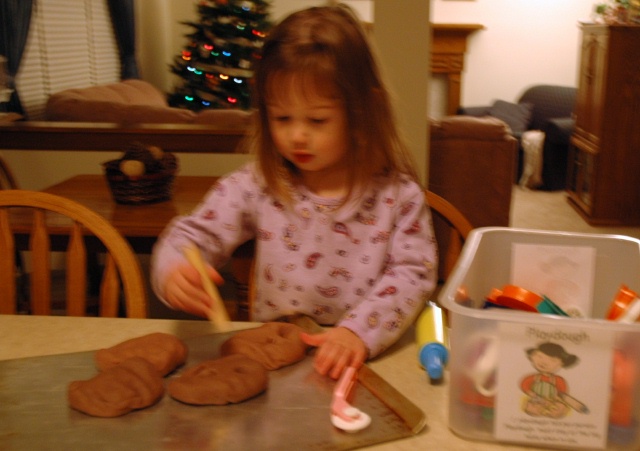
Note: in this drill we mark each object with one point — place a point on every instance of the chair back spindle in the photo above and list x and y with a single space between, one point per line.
122 272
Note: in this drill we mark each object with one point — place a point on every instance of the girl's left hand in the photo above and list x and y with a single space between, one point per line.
338 348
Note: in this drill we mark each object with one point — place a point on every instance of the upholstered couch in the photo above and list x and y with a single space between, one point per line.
472 163
547 108
131 102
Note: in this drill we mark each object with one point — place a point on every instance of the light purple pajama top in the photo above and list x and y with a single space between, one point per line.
368 266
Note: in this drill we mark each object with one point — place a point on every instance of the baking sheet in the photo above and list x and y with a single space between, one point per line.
293 413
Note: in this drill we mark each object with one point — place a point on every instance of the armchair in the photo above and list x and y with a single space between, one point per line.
471 164
547 108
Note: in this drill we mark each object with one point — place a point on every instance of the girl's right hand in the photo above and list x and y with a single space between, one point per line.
183 290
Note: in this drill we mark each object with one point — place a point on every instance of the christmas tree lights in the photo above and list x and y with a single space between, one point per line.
216 66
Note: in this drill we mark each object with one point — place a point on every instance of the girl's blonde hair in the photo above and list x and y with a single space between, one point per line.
320 47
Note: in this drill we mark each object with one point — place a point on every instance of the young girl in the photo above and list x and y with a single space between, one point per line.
342 230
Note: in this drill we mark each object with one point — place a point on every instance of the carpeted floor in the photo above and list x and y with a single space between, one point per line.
550 210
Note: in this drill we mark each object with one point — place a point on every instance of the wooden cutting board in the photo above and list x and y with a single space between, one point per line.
293 413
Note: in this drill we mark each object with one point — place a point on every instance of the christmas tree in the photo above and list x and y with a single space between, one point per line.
216 66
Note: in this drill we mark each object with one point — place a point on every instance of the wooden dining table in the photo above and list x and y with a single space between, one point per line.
140 224
26 336
33 337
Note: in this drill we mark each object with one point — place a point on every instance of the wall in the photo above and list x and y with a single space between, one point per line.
407 73
524 43
39 169
398 22
157 50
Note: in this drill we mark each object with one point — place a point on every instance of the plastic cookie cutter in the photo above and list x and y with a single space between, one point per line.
343 415
518 298
484 364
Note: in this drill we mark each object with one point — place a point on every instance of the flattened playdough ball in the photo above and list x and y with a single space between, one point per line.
133 384
273 344
230 379
164 351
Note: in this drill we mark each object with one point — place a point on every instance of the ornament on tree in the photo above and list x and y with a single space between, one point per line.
216 65
247 6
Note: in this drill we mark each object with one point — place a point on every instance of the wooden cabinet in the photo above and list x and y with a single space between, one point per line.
604 161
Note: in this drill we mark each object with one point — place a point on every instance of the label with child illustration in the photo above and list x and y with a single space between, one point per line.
554 385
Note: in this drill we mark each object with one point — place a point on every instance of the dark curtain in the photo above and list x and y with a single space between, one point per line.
15 17
123 19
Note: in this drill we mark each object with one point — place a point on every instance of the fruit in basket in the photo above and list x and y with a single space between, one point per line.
132 168
141 160
142 175
140 152
156 152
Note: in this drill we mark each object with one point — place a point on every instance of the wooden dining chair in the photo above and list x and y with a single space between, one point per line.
451 228
30 210
454 233
9 181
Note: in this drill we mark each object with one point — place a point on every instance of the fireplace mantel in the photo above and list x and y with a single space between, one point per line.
448 46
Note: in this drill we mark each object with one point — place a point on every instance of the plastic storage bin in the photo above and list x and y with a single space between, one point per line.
493 350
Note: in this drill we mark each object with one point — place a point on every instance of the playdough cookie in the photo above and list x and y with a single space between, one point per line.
133 384
273 344
164 351
222 381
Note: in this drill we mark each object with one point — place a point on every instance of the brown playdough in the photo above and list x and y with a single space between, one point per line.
164 351
230 379
133 384
273 344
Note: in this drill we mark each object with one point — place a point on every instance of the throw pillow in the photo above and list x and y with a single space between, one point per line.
516 115
532 146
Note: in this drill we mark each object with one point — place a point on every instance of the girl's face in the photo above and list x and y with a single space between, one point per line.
545 363
309 129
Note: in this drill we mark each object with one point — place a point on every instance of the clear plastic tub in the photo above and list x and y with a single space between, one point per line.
493 350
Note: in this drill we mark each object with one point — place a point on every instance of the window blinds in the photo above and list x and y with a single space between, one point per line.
71 44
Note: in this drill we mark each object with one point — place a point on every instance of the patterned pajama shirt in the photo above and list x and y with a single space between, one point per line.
368 266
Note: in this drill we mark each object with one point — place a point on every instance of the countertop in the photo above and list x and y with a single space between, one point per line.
30 336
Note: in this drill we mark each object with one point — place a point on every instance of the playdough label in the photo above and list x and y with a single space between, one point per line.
554 385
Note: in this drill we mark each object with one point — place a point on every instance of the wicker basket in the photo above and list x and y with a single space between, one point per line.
145 189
